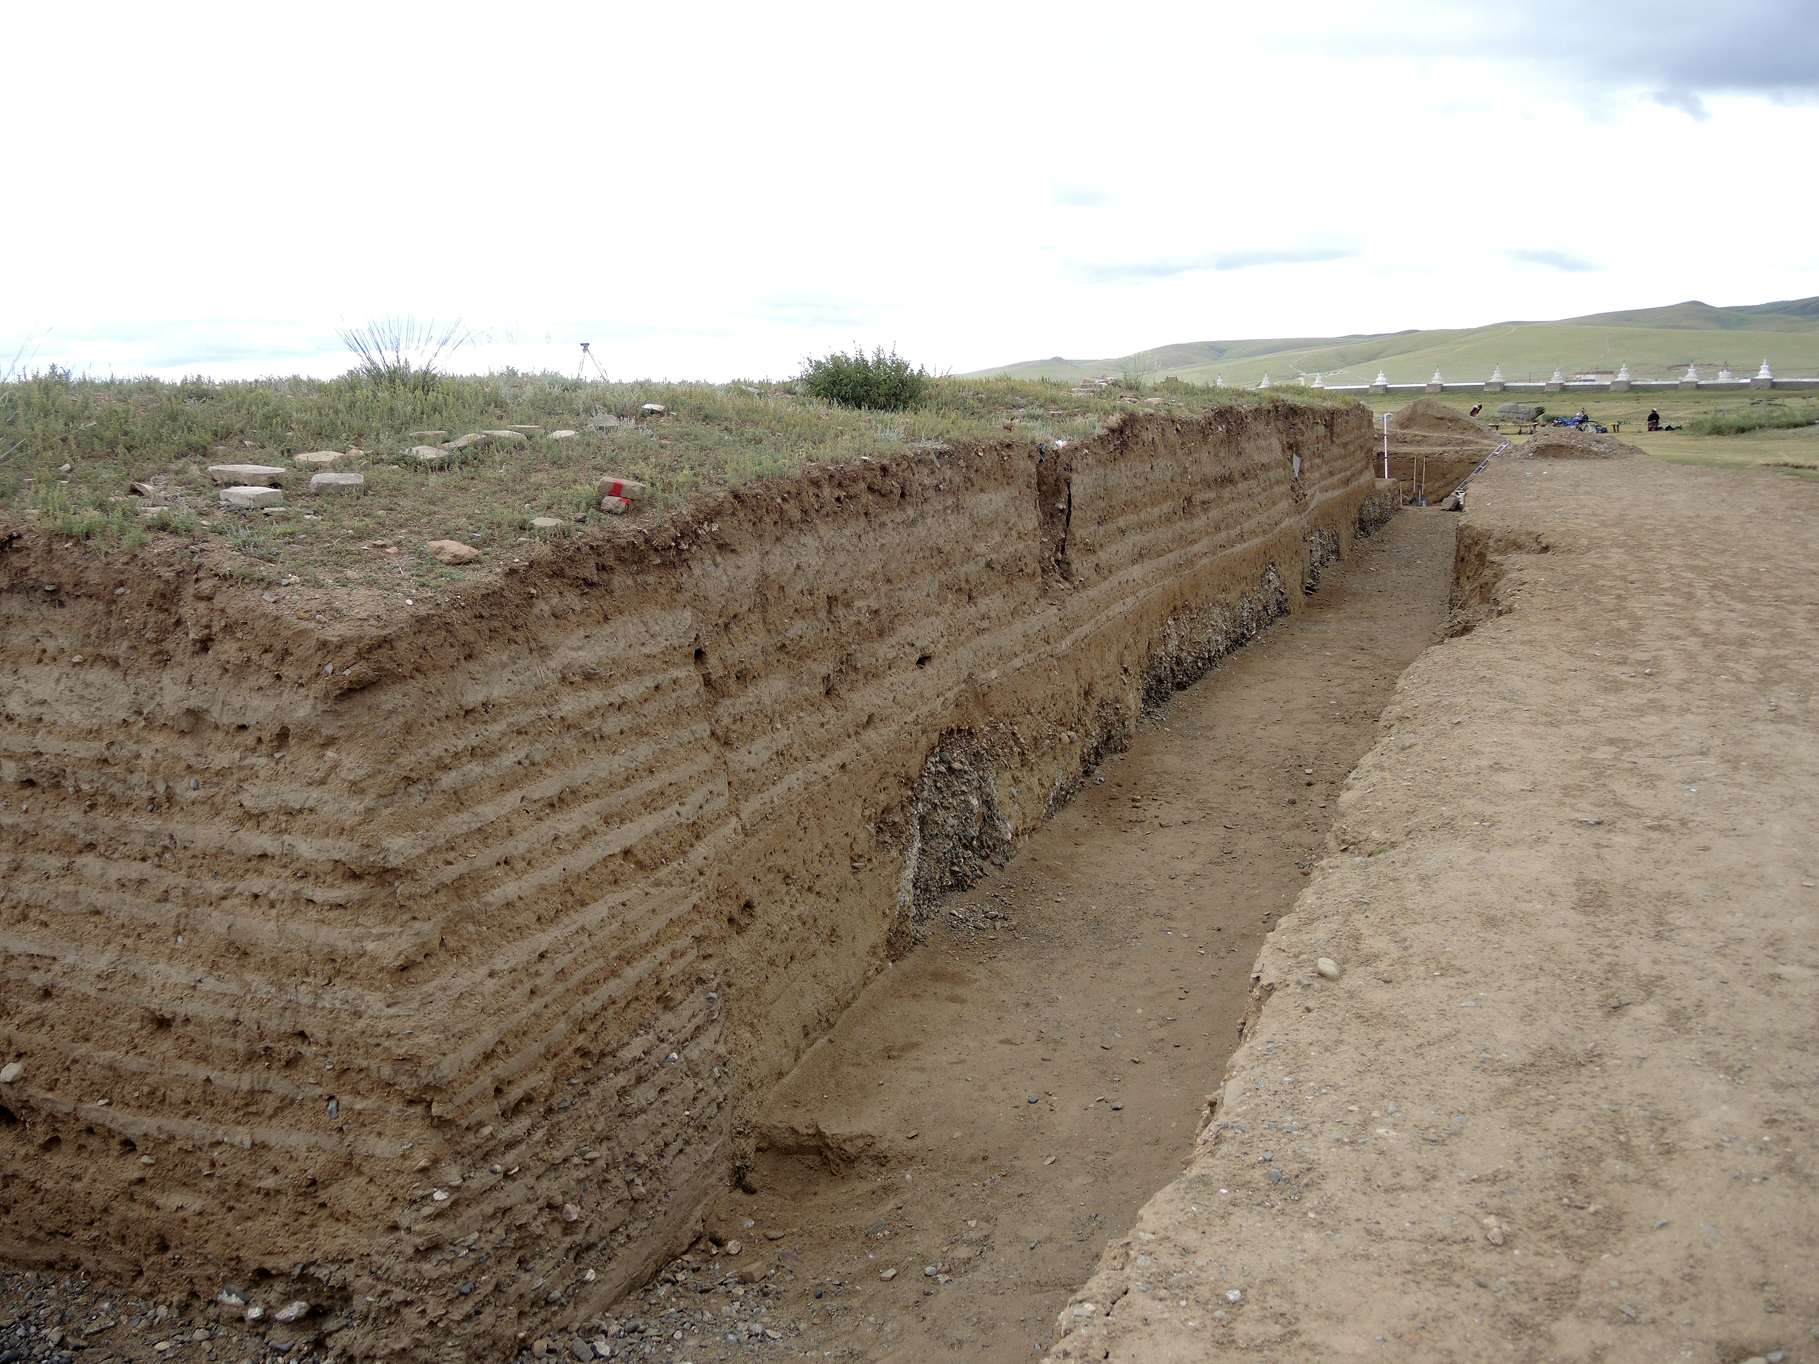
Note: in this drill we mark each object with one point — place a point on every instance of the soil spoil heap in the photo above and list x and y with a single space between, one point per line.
422 975
1439 443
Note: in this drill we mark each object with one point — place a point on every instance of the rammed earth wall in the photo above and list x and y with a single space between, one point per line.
487 935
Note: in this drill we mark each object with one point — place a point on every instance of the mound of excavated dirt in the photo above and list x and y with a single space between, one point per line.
1566 442
1425 417
1437 446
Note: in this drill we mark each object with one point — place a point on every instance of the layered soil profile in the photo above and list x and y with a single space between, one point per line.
425 975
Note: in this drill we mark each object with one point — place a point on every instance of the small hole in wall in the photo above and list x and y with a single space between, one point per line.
701 655
922 660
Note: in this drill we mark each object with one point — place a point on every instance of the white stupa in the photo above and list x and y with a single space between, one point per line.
1497 374
1763 373
1623 371
1319 381
1436 379
1558 378
1725 376
1382 378
1266 380
1692 374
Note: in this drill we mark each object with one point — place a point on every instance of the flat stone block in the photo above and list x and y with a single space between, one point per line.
545 523
563 435
329 483
509 437
247 475
320 457
612 485
251 497
429 454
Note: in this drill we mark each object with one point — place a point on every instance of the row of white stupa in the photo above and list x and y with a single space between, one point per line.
1623 373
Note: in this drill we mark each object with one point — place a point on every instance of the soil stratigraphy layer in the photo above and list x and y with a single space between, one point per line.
425 974
1560 1100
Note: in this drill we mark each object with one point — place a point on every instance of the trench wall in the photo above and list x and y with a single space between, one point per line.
330 956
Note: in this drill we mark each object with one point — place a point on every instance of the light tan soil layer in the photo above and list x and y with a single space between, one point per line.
1561 1102
481 935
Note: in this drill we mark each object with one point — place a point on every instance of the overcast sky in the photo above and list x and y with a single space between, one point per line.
715 191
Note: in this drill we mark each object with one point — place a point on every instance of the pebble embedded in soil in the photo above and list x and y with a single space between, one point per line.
1327 967
545 523
11 1071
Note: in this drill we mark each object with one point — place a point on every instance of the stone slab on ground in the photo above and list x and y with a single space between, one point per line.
336 483
247 475
1561 1100
251 496
323 458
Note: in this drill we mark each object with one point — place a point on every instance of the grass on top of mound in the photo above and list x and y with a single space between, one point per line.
71 449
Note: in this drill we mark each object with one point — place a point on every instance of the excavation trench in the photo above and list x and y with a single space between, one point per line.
1000 1103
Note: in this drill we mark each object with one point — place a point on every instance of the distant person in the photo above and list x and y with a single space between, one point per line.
1654 420
1475 410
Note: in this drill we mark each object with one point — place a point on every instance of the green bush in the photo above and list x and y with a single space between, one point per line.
879 381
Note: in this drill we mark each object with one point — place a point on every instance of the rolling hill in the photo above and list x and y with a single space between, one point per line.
1654 342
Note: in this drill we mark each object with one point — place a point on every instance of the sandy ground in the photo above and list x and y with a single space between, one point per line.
1000 1103
1560 1103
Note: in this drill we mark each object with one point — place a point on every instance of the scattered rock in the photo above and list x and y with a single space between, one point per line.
328 483
1234 1295
615 506
655 409
452 552
509 437
255 1314
545 523
525 428
581 1349
253 497
429 435
734 1247
471 439
888 1275
429 454
1493 1231
613 485
1327 967
775 1235
11 1071
563 435
247 475
1117 1104
143 490
570 1213
322 457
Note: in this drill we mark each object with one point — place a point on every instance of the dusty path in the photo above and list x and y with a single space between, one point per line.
1107 990
1561 1103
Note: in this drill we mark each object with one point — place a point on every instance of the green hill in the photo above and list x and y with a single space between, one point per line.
1653 342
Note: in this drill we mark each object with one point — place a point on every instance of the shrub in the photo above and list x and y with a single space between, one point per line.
400 351
879 381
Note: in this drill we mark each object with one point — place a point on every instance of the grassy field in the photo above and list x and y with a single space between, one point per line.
70 449
1654 342
1793 451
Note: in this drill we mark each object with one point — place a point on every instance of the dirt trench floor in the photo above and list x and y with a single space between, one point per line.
947 1167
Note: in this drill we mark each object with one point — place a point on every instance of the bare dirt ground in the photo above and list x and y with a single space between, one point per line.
941 1172
1560 1101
